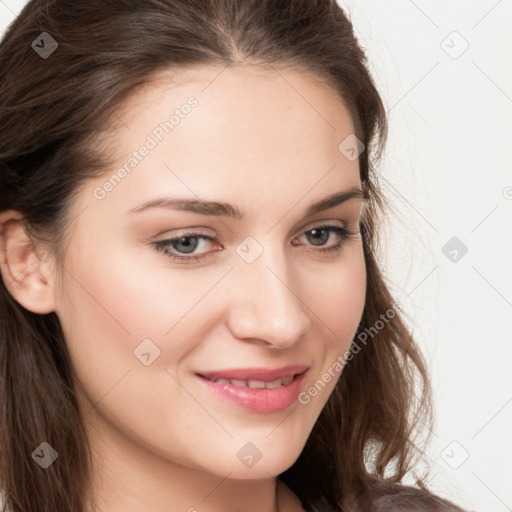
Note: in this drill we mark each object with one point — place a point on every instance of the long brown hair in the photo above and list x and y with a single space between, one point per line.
54 106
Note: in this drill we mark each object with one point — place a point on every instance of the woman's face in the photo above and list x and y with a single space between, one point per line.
267 291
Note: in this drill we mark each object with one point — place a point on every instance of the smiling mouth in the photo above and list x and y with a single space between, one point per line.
255 384
261 396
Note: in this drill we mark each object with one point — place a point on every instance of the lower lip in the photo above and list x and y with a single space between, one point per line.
263 400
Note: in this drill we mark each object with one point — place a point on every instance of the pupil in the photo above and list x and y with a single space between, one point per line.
189 247
323 239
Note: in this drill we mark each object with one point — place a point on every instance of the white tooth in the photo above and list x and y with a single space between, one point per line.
273 383
222 381
287 380
237 382
256 383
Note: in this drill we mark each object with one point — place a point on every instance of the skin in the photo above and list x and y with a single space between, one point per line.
262 140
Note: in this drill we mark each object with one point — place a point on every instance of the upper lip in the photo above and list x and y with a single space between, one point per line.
262 374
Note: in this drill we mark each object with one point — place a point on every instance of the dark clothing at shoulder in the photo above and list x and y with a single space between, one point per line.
396 498
410 499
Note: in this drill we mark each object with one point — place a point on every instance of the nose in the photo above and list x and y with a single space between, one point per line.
265 303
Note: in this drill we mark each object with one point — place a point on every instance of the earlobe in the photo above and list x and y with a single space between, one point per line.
24 270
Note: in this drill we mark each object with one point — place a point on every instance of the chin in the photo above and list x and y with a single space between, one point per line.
265 462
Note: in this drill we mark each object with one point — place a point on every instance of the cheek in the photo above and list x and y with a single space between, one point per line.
338 307
339 301
130 297
111 304
115 302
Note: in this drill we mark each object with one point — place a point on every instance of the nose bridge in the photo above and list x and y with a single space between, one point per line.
265 304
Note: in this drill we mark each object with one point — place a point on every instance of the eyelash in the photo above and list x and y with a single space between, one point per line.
163 245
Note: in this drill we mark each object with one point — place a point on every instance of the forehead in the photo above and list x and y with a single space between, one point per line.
240 101
253 132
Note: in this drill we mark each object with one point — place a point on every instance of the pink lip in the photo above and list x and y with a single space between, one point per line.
262 400
265 374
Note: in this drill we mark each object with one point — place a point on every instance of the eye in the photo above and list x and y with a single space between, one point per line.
177 248
322 233
186 243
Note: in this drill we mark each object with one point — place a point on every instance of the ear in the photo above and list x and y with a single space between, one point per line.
25 271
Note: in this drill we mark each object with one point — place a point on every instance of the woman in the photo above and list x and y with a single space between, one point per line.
193 314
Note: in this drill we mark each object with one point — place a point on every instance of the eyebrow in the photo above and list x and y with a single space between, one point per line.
219 209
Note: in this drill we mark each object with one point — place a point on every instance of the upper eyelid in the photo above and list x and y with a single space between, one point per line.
196 232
